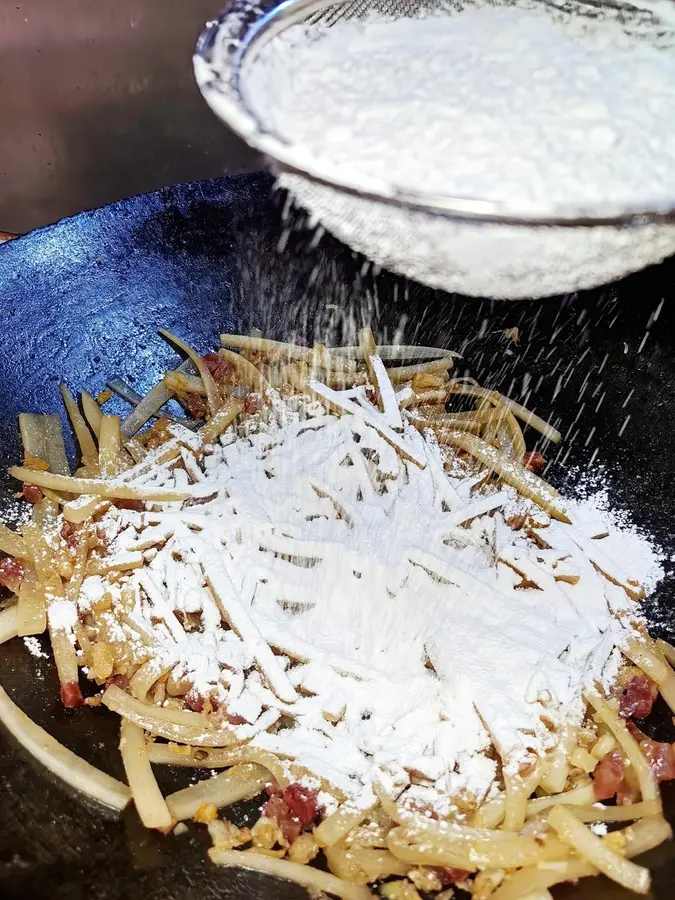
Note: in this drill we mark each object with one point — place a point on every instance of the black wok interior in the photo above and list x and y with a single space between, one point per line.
82 300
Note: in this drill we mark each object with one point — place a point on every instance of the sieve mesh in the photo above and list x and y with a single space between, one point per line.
473 246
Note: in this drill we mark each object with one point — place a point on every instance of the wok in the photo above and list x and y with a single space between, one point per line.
82 300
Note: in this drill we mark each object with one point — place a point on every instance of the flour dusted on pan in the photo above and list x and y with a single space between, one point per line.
521 104
34 647
390 619
621 539
14 513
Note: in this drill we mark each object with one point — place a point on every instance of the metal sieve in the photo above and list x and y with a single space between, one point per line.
472 246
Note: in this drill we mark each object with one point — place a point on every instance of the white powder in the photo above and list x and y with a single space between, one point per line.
34 647
500 104
523 105
14 512
623 540
389 593
62 615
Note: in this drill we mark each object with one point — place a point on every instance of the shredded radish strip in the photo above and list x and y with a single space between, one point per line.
150 803
307 876
250 614
99 487
151 404
590 847
212 393
241 782
8 624
176 725
336 399
58 759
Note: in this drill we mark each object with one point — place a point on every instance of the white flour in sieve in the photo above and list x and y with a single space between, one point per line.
499 104
525 105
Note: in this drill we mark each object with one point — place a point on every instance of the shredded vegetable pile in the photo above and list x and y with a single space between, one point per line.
309 581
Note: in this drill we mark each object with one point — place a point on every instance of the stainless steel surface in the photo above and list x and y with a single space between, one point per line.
98 101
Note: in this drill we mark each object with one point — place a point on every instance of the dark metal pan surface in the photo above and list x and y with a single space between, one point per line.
82 300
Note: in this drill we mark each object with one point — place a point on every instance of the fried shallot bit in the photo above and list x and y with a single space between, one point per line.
135 505
35 462
608 776
68 532
11 573
516 522
534 461
661 755
71 695
195 404
220 368
32 493
448 875
638 698
157 435
293 810
253 404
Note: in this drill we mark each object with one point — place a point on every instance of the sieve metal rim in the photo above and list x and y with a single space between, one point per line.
227 101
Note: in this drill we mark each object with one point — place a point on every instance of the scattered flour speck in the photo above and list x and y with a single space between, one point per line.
34 647
637 551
